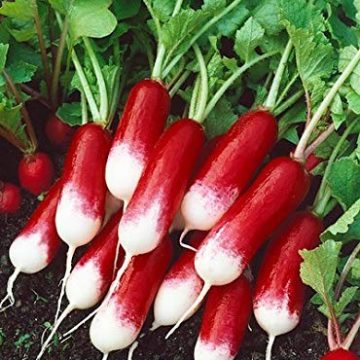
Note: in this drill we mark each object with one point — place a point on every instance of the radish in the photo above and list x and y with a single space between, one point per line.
280 295
120 319
179 289
225 321
10 198
312 161
228 169
91 276
58 133
37 244
36 173
141 124
112 206
81 206
340 354
232 243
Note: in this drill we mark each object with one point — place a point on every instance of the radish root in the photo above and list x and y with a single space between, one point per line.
191 309
183 244
10 294
62 317
105 356
64 280
132 350
269 347
81 323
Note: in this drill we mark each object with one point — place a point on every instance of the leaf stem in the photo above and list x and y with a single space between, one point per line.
275 86
288 103
176 86
43 52
35 95
194 98
286 89
84 110
352 334
299 153
9 136
319 140
156 73
225 86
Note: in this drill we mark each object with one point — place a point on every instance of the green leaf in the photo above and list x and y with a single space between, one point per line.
355 270
346 55
18 9
21 72
70 113
337 111
228 25
353 100
3 55
318 269
248 38
344 181
267 13
124 9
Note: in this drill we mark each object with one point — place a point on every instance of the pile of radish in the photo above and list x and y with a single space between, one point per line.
174 190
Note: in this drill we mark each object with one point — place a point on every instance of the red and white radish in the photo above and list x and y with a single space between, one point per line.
92 275
58 133
280 295
38 242
81 206
10 198
121 317
340 354
179 289
225 320
233 242
228 169
141 124
36 173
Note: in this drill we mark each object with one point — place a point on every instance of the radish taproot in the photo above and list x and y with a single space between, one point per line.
141 124
10 198
81 207
37 244
36 172
92 275
179 289
340 354
121 317
280 295
228 169
233 242
225 320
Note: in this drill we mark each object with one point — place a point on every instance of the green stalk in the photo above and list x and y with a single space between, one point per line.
194 98
275 86
193 40
299 153
225 86
57 66
84 110
104 105
286 90
175 88
289 102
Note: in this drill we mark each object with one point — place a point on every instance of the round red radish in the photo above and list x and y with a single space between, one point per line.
141 124
312 162
225 320
179 289
121 317
228 169
280 295
10 198
340 354
36 173
58 133
157 197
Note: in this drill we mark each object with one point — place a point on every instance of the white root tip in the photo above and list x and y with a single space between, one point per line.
64 280
10 294
154 326
184 244
105 356
132 350
81 323
269 347
191 309
62 317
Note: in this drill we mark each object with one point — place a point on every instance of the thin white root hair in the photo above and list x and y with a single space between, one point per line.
191 309
184 244
105 356
132 350
69 257
81 323
62 317
154 326
10 291
269 347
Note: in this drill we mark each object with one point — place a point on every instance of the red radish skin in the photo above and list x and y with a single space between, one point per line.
312 162
179 289
228 169
38 242
81 206
58 133
120 319
233 242
340 354
225 320
141 124
36 173
280 295
92 275
10 198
